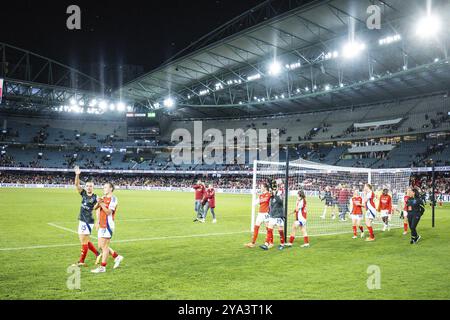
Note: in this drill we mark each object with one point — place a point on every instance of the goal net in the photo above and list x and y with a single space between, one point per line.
318 180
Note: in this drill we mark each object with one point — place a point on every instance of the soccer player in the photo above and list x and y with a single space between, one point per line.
371 212
276 219
329 203
209 202
263 215
404 213
300 221
416 208
86 219
106 225
199 190
385 208
357 214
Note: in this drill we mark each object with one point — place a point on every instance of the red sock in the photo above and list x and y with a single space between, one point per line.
281 232
269 238
84 252
306 239
255 234
291 239
405 227
371 232
354 231
92 248
114 254
362 229
103 264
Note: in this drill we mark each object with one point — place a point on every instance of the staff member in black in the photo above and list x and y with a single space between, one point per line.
416 208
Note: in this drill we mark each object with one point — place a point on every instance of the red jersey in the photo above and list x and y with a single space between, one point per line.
264 202
370 201
199 191
357 206
385 203
343 196
106 220
210 196
300 207
405 201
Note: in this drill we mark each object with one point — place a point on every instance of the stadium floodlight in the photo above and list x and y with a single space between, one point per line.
327 87
428 26
275 68
121 107
103 105
93 103
353 49
169 102
307 89
73 101
254 77
341 85
82 103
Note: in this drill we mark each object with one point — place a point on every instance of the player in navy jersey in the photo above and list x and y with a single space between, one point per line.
89 203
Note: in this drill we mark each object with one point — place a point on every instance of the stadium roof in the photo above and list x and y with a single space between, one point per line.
228 72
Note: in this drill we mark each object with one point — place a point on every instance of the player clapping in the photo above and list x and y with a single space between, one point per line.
86 219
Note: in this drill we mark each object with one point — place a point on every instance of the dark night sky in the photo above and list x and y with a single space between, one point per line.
130 31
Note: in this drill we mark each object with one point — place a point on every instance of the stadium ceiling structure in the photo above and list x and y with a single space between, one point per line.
37 83
287 56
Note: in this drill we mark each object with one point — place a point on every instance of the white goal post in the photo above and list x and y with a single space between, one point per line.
315 179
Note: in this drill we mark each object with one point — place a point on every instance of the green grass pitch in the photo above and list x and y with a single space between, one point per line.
167 256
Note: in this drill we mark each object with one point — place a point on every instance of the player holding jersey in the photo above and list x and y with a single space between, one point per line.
371 212
300 220
357 214
385 208
263 215
86 219
106 225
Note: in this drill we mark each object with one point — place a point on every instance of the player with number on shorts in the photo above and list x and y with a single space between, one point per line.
276 217
371 212
357 214
86 219
263 215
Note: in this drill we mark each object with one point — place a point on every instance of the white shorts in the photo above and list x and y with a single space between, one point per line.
356 217
384 213
262 218
276 222
371 215
301 222
405 214
84 228
105 233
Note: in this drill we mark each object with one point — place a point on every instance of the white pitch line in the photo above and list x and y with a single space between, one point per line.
125 241
62 228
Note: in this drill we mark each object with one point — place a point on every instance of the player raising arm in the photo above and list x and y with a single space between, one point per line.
106 225
357 214
300 220
385 208
263 215
371 212
86 219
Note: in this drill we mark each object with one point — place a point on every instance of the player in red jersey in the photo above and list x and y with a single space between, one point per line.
263 215
385 209
300 221
199 192
371 212
209 203
106 225
404 213
357 214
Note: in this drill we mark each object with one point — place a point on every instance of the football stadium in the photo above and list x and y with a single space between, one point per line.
299 151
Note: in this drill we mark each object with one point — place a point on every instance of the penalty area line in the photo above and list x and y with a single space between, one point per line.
62 228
